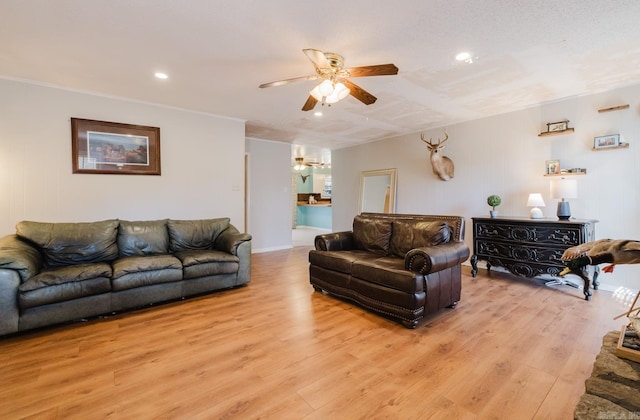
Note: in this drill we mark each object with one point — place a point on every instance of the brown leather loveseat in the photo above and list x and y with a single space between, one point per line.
398 265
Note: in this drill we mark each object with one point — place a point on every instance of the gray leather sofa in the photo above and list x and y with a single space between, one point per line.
401 266
56 272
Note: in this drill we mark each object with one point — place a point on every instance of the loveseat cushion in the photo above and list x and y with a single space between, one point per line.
61 284
136 271
72 243
408 235
143 238
195 234
371 235
389 272
340 261
201 263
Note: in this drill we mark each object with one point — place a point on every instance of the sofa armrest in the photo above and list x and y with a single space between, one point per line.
337 241
19 255
230 239
436 258
9 312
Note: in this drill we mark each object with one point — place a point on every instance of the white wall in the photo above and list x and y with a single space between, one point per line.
270 197
503 155
202 161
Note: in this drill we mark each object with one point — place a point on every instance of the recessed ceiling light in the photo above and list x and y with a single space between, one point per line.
161 75
464 56
318 113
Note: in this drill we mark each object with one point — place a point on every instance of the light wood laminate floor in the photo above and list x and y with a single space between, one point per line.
512 349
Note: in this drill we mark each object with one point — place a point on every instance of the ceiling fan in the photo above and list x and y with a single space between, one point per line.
335 85
301 164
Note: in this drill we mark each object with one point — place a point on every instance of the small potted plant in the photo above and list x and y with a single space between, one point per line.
494 201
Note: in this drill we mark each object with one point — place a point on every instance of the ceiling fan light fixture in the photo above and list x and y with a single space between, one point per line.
315 92
339 93
299 166
326 88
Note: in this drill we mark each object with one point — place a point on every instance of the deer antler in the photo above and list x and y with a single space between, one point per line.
424 140
446 137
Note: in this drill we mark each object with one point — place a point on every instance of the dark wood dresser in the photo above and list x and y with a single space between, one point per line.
530 247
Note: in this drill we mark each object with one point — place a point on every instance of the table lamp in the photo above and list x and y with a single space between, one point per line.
535 201
563 189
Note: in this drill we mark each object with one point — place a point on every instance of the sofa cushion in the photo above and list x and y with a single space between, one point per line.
371 235
338 260
201 263
61 284
389 272
72 243
408 235
136 271
143 238
195 234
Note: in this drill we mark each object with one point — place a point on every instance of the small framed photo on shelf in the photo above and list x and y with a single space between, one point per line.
557 126
602 142
553 167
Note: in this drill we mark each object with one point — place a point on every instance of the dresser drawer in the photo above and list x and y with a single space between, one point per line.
519 252
538 233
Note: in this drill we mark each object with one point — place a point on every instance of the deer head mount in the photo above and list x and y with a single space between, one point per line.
304 178
442 166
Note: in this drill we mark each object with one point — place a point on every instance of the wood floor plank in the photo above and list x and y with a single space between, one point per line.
277 349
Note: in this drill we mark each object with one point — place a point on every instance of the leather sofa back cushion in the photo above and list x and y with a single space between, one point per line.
195 234
371 235
72 243
408 235
143 238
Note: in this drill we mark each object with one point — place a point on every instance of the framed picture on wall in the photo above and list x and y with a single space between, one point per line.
601 142
553 167
100 147
557 126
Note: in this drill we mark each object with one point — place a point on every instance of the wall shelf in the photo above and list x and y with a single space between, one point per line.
614 108
622 146
555 133
567 174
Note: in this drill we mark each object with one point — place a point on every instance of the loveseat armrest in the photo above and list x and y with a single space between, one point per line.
336 241
21 256
431 259
230 239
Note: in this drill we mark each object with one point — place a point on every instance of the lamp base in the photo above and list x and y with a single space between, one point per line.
564 211
536 213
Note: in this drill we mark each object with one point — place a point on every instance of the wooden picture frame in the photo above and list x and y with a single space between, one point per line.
557 126
101 147
553 167
602 142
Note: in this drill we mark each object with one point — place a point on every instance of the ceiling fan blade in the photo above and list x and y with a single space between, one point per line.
310 104
359 93
377 70
285 81
318 58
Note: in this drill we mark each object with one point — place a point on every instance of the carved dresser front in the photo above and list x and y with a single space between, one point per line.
530 247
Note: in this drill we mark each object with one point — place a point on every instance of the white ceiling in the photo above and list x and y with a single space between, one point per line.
217 52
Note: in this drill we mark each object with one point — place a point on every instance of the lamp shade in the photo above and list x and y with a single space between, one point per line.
535 200
564 188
